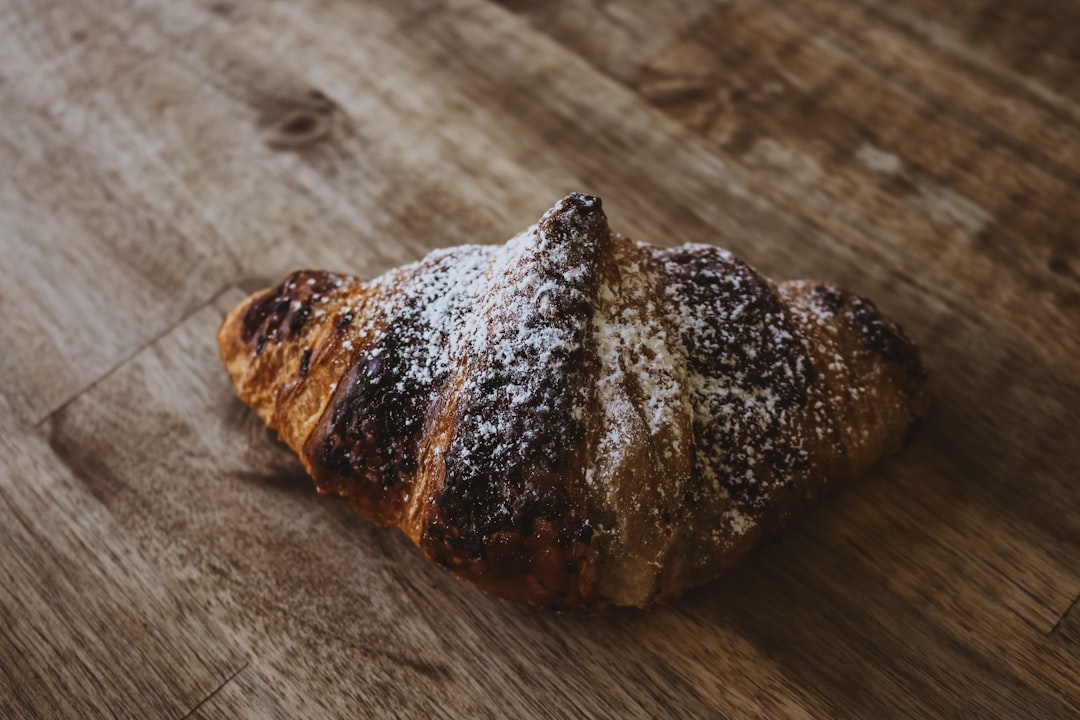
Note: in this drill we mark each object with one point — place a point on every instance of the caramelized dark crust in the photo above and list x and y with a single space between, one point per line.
366 444
573 419
508 506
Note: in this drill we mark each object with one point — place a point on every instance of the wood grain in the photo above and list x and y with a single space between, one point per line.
161 156
87 626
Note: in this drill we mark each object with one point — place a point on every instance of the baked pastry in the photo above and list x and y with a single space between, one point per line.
574 419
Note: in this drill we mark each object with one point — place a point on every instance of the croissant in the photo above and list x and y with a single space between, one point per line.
574 419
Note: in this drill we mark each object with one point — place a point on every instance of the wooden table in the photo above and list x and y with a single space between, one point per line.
162 557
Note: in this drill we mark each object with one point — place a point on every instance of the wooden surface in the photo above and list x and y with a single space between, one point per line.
162 556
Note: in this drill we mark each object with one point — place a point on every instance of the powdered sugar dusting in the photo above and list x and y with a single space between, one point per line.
747 377
632 342
522 393
401 358
437 295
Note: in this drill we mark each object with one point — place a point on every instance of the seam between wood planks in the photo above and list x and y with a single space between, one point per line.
197 308
1053 631
215 691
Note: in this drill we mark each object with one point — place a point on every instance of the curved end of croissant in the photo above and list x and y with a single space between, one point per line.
881 383
884 357
269 347
237 354
575 214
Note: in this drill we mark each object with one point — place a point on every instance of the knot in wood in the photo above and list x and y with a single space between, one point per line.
303 124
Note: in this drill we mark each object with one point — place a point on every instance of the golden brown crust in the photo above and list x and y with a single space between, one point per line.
574 419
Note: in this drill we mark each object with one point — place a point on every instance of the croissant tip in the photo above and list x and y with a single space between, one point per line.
580 200
574 214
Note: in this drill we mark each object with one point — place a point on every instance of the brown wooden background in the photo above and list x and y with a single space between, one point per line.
161 556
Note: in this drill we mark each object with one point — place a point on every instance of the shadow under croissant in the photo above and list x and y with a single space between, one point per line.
292 480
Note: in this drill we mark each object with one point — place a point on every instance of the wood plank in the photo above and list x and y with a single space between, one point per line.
422 166
87 626
1024 51
985 139
616 37
1037 41
103 256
